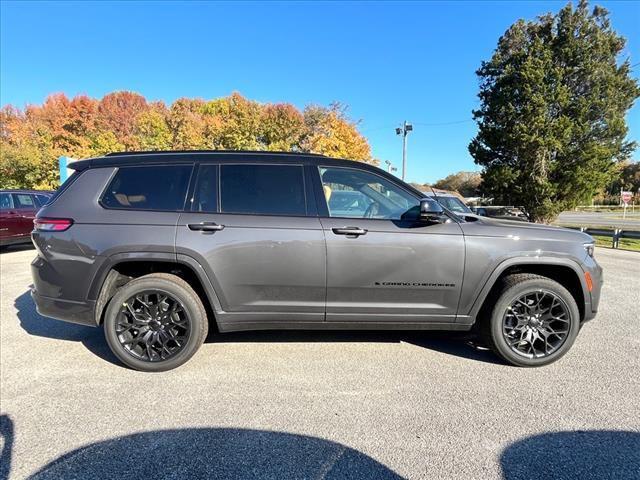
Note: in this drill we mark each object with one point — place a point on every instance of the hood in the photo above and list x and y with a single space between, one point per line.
492 227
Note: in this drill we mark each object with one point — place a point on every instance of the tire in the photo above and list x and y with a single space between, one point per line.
500 329
177 328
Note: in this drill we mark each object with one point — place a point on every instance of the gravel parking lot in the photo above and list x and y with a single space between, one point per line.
320 404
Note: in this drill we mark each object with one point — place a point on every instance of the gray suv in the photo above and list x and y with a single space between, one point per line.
155 247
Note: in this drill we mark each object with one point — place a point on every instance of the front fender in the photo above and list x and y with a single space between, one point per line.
480 294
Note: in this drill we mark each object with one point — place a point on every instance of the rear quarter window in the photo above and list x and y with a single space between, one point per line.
148 188
42 200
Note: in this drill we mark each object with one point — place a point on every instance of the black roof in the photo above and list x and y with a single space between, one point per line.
155 152
190 156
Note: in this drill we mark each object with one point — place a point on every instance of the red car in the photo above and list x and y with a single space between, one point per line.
17 210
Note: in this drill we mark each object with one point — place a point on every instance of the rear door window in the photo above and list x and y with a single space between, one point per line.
160 188
23 200
262 189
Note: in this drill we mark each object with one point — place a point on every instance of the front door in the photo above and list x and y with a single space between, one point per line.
9 218
383 264
248 227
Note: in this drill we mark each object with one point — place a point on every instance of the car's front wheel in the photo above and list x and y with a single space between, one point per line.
155 323
533 322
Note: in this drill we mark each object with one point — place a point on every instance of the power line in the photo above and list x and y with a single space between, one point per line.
455 122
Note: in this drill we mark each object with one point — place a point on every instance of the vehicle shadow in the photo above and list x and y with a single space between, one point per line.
592 454
35 324
459 344
6 434
16 248
451 343
229 453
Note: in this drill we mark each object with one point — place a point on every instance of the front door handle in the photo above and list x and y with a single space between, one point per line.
355 231
205 227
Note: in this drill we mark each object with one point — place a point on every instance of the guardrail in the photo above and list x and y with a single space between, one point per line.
616 233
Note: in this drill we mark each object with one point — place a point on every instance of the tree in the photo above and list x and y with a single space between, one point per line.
27 166
32 139
329 132
423 187
187 125
553 100
151 129
117 112
628 179
466 184
233 123
282 127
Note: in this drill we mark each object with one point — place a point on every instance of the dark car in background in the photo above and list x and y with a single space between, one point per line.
517 214
18 208
450 202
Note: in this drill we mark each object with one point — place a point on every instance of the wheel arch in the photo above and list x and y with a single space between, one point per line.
121 268
564 271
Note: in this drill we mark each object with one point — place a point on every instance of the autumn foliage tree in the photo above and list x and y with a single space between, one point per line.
466 184
32 139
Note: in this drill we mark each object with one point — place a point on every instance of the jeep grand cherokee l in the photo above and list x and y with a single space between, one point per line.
155 246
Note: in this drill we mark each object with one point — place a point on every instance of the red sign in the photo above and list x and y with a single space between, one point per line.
626 197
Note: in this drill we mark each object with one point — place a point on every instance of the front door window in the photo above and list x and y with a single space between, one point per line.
352 193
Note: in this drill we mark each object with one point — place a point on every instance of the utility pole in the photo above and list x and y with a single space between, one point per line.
404 130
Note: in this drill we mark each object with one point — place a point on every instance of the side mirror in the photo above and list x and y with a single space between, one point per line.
430 210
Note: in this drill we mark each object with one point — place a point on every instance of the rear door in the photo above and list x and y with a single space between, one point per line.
25 206
383 264
250 227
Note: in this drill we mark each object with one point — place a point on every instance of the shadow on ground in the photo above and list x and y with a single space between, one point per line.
16 248
35 324
593 454
451 343
6 435
215 453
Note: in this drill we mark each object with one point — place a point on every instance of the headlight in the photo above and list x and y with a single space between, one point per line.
590 248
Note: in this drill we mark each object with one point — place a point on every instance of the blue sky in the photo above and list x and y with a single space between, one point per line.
387 61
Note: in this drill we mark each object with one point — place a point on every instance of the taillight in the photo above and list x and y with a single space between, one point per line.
52 224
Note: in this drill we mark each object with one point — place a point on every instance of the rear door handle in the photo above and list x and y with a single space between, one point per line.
205 227
355 231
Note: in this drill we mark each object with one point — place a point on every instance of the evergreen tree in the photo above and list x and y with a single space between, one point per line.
553 100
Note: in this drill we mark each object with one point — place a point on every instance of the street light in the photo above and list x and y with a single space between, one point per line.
404 131
390 167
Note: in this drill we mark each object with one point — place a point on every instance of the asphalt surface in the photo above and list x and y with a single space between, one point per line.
604 219
320 405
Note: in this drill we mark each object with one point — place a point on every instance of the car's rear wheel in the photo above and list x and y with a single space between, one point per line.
155 323
534 321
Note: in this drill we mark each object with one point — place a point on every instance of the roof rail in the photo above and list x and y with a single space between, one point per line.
155 152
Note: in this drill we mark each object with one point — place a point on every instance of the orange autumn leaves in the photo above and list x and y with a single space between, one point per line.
32 139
